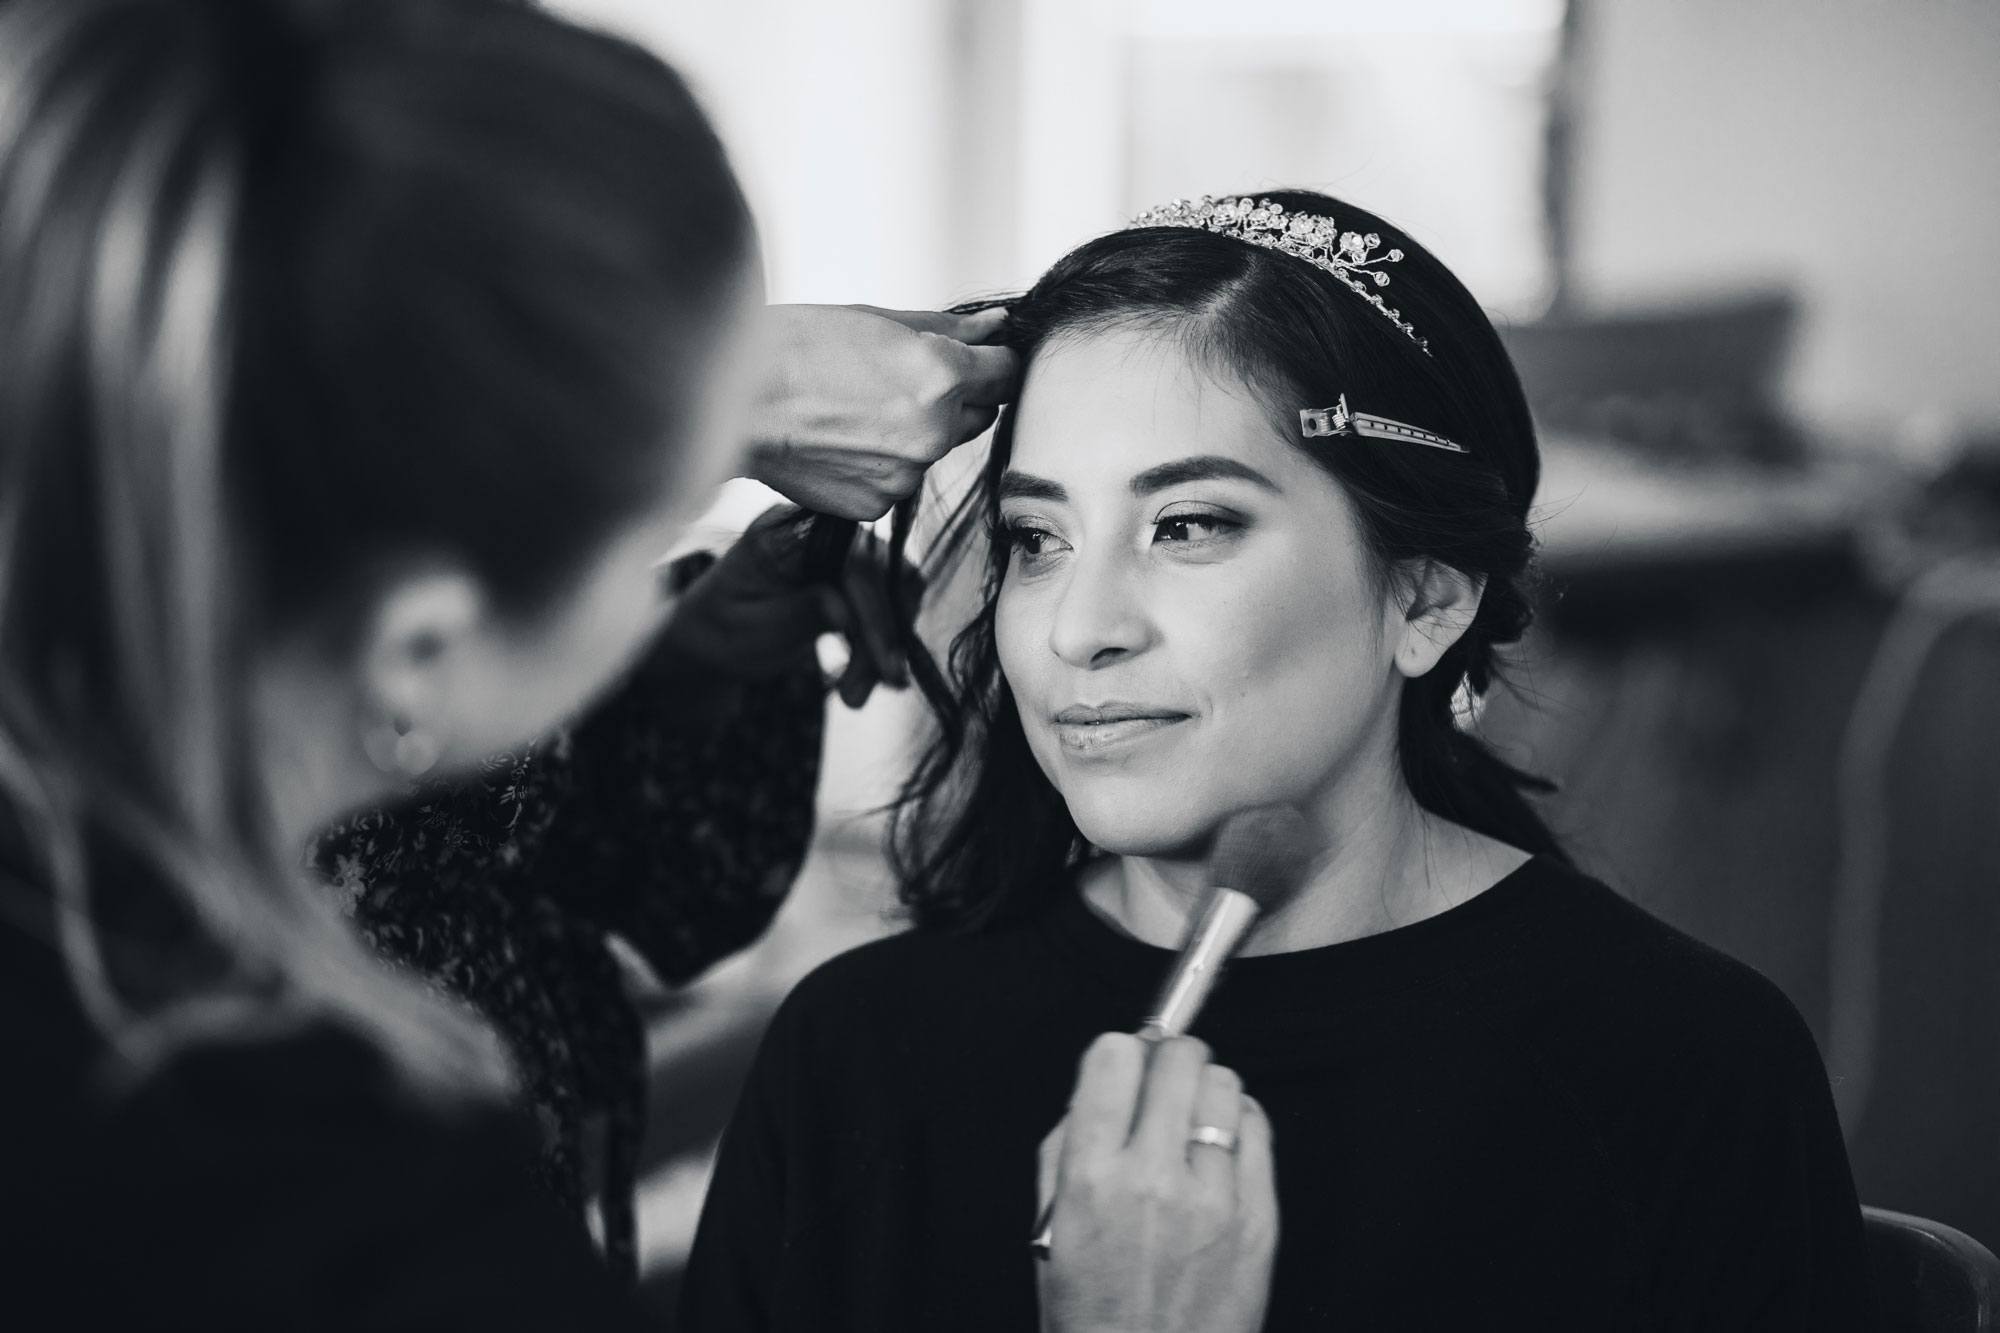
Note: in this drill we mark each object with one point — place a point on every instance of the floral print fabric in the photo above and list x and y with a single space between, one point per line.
680 835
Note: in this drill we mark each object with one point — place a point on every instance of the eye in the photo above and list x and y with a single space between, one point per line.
1026 537
1194 529
1030 544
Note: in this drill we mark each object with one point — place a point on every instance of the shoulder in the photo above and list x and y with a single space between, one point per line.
897 972
895 991
1650 1001
1701 1090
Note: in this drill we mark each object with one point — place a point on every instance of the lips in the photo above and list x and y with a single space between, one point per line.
1095 728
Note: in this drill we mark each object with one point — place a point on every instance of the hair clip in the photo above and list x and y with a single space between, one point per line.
1315 422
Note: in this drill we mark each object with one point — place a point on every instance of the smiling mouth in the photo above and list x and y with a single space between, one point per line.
1089 730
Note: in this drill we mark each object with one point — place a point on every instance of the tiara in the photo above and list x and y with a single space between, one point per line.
1338 420
1317 240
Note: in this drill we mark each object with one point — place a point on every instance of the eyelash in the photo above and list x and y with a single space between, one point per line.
1219 526
1019 534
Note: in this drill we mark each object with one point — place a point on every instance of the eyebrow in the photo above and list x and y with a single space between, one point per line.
1026 486
1204 467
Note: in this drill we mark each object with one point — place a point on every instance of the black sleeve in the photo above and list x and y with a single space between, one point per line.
1757 1227
679 829
735 1267
676 816
683 833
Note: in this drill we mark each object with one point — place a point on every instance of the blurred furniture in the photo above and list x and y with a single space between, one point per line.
1615 522
1927 1277
1733 347
1693 382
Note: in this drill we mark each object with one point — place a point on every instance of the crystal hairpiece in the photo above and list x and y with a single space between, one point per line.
1347 255
1337 420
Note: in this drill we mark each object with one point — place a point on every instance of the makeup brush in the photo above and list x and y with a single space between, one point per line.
1262 857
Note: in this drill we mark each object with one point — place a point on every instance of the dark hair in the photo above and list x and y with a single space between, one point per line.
979 834
292 291
467 288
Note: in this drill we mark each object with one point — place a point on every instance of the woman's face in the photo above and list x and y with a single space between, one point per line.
1188 620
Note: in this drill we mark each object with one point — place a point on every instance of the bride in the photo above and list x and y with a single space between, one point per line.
1258 528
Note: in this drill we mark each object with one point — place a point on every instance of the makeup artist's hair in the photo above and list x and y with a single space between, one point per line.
293 292
979 833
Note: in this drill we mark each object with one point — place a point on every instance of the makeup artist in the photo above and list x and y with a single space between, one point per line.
362 356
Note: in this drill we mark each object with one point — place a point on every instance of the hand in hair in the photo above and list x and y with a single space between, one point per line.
861 401
1151 1229
753 613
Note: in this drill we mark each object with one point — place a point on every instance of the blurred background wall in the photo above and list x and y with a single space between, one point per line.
913 151
1843 147
1743 250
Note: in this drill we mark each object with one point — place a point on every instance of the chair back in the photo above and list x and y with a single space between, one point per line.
1927 1277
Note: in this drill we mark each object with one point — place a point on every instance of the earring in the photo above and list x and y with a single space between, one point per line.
396 746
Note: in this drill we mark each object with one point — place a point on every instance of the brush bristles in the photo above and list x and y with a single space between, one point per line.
1265 852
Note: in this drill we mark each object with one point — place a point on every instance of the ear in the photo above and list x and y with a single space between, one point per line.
418 639
1438 606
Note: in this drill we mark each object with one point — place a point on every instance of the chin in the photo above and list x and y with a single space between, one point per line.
1146 819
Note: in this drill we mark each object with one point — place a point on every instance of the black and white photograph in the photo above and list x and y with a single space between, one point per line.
1034 666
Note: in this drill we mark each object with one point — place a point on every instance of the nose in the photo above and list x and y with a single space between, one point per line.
1101 617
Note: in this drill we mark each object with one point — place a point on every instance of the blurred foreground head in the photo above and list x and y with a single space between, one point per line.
341 335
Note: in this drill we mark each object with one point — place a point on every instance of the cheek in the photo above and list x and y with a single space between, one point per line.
1292 664
721 383
713 456
1021 641
552 672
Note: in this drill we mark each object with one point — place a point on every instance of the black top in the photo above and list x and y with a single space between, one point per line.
289 1183
1542 1108
295 1182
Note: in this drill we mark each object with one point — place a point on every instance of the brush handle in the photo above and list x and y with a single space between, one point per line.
1045 1230
1225 919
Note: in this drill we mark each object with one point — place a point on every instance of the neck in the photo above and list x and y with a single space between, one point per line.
1388 863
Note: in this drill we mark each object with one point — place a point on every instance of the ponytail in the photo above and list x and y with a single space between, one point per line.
126 746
